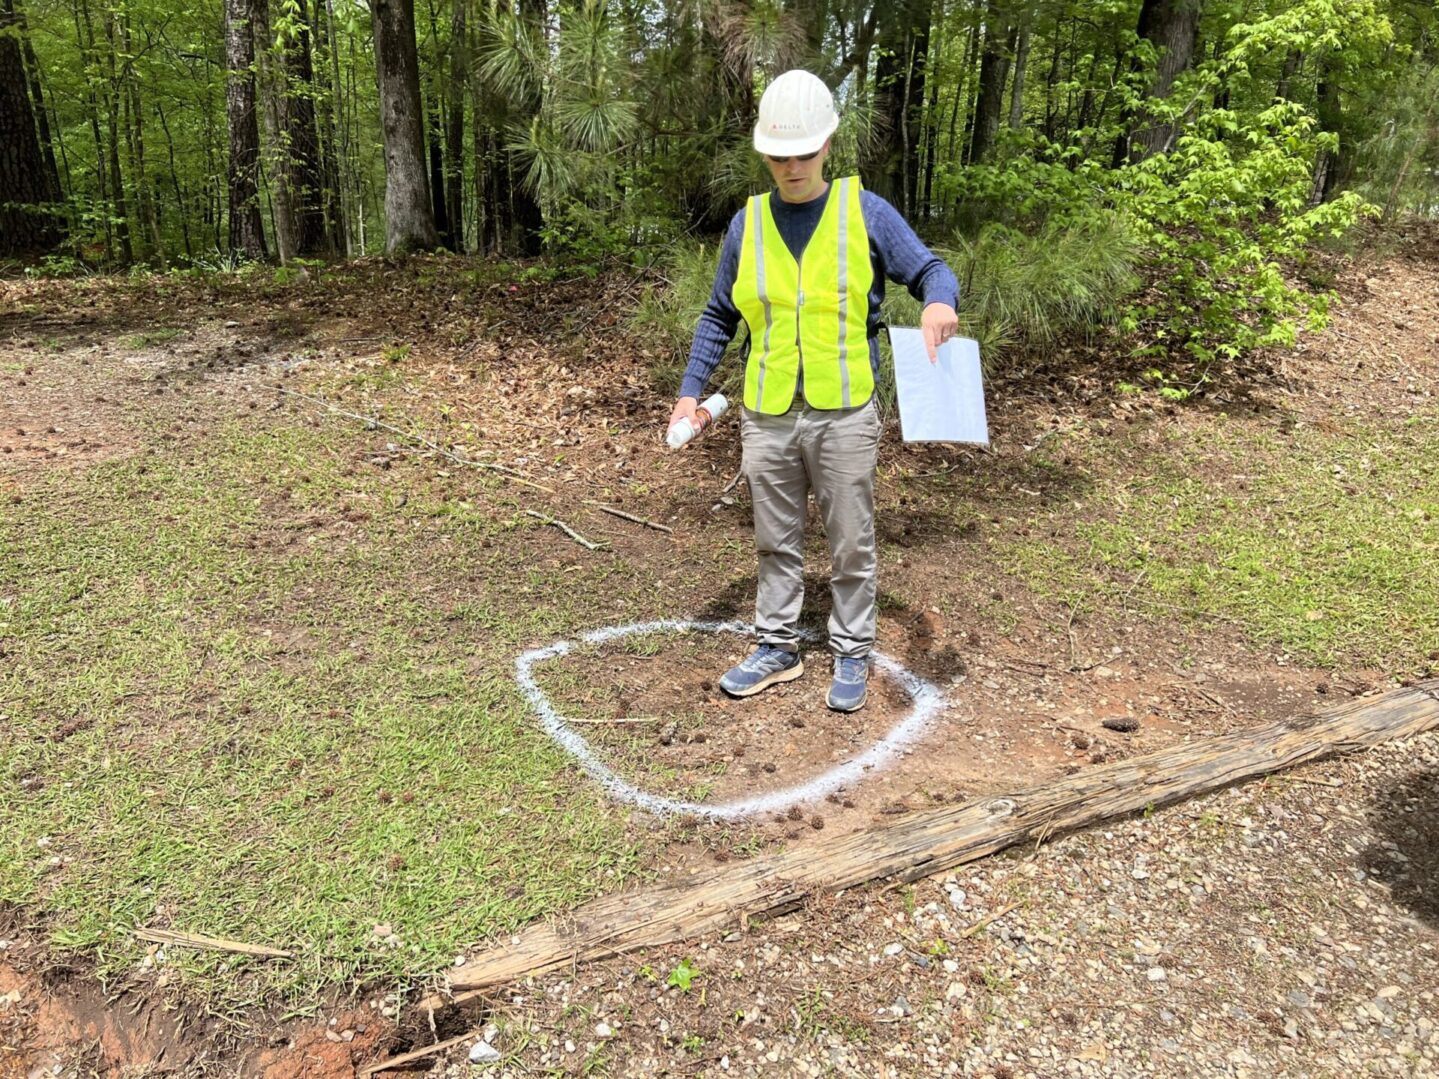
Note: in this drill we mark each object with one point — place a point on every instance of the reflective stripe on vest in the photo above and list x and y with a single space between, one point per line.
813 310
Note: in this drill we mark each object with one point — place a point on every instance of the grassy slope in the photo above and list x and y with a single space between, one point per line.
1321 545
273 729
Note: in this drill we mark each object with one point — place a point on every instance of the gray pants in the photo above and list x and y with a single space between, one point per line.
833 453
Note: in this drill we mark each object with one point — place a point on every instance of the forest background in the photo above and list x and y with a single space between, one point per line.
1061 154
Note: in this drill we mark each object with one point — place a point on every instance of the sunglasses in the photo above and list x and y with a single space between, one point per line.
787 160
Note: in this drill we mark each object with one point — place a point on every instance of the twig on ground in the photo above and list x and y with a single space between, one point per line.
566 529
617 721
629 516
1074 667
1310 781
985 922
1124 601
406 1058
734 480
436 447
214 944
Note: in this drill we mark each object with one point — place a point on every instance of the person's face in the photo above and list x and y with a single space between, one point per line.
799 179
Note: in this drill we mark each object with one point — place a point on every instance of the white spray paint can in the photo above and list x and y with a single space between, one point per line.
683 430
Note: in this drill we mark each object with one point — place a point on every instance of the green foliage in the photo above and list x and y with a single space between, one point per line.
683 976
56 266
1029 289
667 312
1218 215
1399 157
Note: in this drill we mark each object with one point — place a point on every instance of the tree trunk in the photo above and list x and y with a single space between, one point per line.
333 140
85 35
27 224
277 160
182 204
953 150
306 170
440 205
1172 26
899 100
1328 164
932 118
1291 68
112 116
1051 109
455 136
247 233
147 205
409 221
1016 93
993 74
37 101
525 207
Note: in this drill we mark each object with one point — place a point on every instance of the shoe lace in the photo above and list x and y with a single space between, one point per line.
849 668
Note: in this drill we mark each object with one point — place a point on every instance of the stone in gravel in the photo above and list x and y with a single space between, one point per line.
604 1030
901 1007
483 1053
667 734
1298 998
1158 974
893 949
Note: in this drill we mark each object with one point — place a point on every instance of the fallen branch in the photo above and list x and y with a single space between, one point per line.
214 944
931 841
566 529
617 721
984 923
410 1057
458 458
629 516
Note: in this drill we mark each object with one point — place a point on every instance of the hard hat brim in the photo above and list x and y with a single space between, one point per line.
792 147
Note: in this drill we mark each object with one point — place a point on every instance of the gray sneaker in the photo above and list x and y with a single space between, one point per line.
849 689
764 667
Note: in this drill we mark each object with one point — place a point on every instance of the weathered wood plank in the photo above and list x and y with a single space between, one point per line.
934 840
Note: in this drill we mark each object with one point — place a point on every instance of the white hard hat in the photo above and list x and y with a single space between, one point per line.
796 115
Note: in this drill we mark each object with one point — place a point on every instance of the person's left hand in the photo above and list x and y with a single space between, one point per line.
939 322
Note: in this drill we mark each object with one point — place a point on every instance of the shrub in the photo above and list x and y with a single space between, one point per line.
668 311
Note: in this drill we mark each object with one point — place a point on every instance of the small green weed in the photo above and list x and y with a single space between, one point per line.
137 341
683 976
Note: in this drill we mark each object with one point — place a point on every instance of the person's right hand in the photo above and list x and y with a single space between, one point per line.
684 410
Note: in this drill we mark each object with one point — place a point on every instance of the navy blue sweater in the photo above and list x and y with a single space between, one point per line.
896 252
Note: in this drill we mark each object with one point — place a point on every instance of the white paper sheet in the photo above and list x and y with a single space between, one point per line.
942 401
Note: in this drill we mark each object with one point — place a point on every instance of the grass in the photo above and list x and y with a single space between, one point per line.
1326 548
229 712
138 341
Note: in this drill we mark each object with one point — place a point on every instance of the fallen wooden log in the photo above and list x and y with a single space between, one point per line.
934 840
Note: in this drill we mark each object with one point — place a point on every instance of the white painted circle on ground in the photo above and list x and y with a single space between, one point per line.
926 699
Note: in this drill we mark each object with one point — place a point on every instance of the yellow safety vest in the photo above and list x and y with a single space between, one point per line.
813 310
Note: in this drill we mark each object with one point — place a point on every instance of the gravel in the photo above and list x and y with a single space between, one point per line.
1285 928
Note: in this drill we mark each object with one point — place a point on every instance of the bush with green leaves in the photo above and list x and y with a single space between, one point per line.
1218 216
